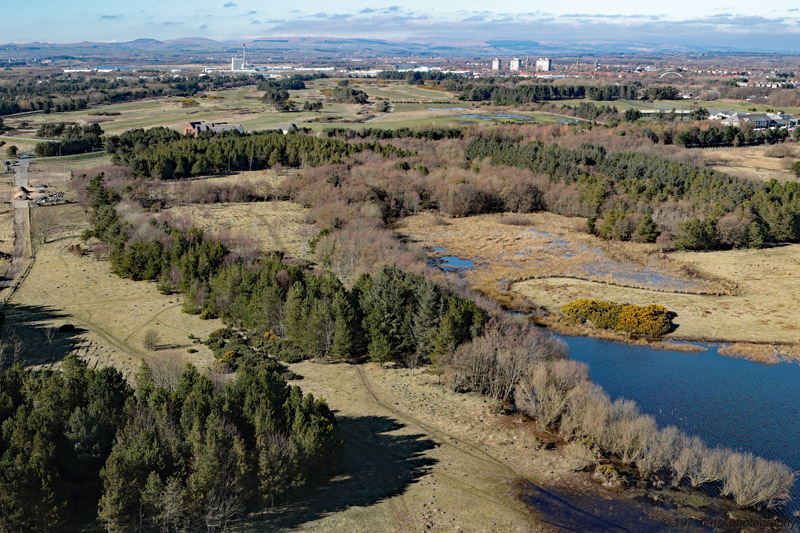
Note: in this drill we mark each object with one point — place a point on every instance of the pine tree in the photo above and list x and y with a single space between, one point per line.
344 319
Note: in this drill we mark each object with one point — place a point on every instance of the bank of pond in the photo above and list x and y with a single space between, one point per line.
734 403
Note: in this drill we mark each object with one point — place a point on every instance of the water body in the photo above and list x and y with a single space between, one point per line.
451 263
736 403
445 109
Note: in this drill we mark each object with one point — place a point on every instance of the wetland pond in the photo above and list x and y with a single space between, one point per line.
736 403
730 402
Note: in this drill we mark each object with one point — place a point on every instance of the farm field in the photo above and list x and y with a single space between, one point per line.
277 225
680 105
111 314
737 295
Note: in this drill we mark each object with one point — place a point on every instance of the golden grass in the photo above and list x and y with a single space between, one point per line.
6 236
259 181
736 295
478 457
753 162
770 354
476 453
278 225
113 313
551 246
763 310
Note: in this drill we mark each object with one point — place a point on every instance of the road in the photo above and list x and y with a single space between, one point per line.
21 247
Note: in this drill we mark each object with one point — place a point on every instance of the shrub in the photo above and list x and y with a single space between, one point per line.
753 481
150 340
651 320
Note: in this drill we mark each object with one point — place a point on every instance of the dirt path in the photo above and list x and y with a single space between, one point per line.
21 254
401 473
462 445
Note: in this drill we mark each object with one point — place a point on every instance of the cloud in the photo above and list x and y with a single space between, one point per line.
109 17
172 23
717 31
230 4
251 13
203 27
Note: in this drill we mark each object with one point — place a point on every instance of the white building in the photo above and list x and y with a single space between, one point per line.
514 65
496 64
543 64
239 63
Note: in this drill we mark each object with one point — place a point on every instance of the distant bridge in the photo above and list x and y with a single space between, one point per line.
671 75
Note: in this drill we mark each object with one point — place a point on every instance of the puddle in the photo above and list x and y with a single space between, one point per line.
641 276
450 263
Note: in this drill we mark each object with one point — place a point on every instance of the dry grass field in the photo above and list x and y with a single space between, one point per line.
737 295
418 457
111 314
757 163
278 225
545 245
763 310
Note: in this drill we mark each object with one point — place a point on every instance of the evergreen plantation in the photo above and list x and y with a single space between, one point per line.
189 457
619 190
163 153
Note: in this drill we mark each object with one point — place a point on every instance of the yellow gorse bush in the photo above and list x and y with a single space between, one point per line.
651 320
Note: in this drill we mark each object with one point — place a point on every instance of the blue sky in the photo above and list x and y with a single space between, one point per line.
728 23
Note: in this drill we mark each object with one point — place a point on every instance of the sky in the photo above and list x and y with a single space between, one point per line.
737 24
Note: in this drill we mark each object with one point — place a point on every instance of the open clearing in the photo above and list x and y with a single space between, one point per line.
736 295
276 225
754 162
419 457
111 314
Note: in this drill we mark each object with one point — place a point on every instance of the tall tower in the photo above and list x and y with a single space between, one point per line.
244 59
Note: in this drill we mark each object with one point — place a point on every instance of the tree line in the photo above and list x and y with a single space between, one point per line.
526 93
618 190
178 453
162 153
61 94
75 139
728 136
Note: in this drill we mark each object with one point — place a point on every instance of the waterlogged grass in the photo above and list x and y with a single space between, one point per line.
549 246
736 295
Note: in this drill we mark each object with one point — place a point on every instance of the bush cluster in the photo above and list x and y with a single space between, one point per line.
651 320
